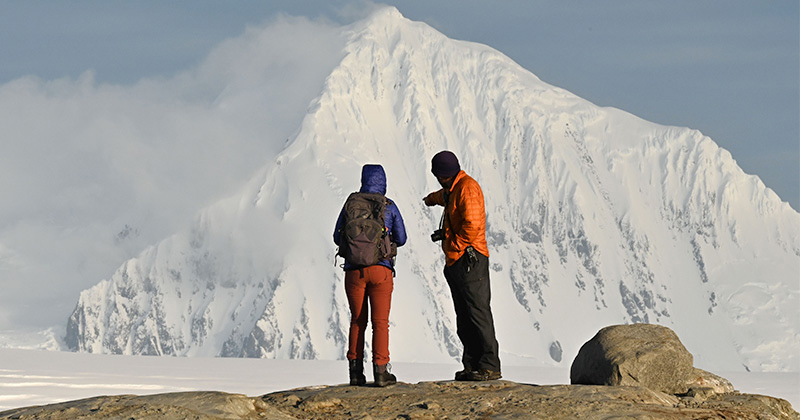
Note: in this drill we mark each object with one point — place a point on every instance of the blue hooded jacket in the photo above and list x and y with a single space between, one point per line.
373 180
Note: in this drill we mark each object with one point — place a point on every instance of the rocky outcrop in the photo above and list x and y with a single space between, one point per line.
509 400
643 355
702 383
425 400
173 406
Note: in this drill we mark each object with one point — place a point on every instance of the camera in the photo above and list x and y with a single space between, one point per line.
437 235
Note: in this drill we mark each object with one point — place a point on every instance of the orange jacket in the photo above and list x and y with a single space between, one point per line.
465 217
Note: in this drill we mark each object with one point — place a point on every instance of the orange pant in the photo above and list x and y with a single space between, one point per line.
376 284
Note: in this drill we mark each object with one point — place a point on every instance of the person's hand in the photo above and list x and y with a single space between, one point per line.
428 200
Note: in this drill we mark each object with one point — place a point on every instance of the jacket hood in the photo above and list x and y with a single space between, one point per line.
373 179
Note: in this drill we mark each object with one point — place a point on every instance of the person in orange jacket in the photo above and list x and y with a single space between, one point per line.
463 236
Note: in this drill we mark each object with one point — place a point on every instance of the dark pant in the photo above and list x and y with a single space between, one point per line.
469 284
373 284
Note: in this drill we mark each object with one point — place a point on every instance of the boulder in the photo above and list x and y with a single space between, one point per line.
636 355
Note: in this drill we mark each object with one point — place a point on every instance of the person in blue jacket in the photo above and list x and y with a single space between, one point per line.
375 284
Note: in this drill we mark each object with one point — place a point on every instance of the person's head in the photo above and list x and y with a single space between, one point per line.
445 167
373 179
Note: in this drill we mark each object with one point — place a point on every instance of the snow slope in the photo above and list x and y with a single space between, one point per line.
594 216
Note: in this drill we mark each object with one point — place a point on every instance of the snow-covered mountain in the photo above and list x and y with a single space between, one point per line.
594 217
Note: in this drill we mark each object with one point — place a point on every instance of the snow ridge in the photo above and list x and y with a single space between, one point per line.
594 217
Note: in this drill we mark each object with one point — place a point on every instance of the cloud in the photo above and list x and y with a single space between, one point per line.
92 173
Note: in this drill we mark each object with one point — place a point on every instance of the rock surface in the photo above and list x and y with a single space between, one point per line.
707 382
181 405
425 400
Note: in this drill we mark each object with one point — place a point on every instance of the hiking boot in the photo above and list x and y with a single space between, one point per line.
357 372
462 375
382 375
482 375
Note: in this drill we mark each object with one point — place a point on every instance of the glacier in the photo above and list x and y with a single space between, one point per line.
594 217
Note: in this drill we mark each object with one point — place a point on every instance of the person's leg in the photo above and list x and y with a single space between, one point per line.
478 295
469 283
355 287
464 329
379 291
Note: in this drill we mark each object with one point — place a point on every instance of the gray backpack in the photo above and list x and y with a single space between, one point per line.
365 240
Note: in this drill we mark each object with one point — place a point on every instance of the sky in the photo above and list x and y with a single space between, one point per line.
726 68
110 124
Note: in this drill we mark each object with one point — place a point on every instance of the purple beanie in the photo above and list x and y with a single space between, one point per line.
445 164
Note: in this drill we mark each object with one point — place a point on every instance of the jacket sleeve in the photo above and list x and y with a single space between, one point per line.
398 227
436 198
337 231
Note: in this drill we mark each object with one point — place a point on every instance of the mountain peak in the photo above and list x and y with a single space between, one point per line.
385 14
594 217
